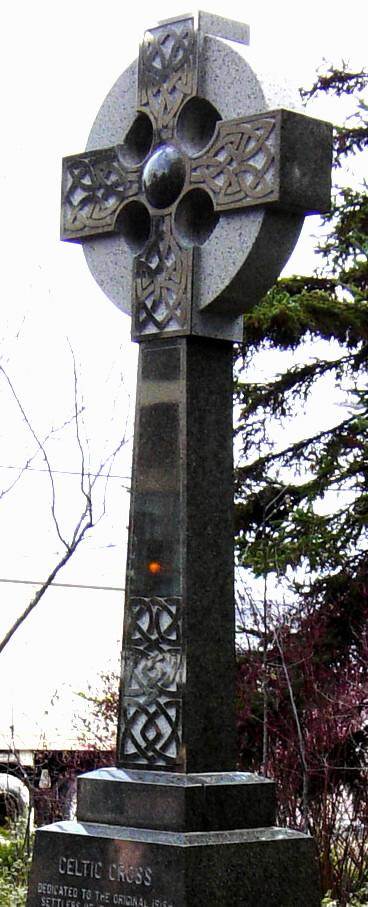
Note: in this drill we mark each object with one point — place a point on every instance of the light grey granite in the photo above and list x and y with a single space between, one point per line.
247 249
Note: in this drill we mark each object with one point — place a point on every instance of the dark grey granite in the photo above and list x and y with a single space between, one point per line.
305 164
178 693
80 863
175 802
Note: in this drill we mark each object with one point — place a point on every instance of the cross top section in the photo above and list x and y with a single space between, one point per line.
182 167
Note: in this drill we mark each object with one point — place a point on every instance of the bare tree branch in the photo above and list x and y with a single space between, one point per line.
87 519
41 447
84 524
78 536
83 474
299 730
27 464
265 680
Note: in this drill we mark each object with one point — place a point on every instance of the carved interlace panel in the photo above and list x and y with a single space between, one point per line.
153 682
94 187
162 281
167 72
155 624
239 167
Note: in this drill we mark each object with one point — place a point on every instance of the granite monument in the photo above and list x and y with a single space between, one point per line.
188 201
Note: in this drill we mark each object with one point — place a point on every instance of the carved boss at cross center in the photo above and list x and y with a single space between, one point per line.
177 170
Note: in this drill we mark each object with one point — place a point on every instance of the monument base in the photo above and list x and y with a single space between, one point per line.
170 801
88 863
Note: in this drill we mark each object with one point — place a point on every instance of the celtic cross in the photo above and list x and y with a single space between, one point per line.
188 201
187 215
179 168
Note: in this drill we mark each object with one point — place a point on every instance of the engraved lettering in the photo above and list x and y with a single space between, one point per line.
65 891
58 902
131 900
72 867
137 875
147 878
158 902
84 869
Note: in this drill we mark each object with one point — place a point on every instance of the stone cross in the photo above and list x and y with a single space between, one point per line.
181 168
188 201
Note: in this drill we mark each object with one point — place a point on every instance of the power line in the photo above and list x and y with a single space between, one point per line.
30 582
66 472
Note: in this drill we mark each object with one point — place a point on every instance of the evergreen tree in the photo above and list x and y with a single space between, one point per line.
302 526
279 518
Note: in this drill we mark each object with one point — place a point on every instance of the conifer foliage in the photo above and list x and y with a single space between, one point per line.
302 523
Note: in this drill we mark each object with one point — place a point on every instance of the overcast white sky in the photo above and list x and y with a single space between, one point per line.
58 62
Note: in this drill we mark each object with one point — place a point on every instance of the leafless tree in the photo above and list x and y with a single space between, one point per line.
92 507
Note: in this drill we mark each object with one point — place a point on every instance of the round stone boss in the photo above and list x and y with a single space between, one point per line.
247 249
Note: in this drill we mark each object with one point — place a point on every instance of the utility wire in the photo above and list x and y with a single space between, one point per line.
30 582
66 472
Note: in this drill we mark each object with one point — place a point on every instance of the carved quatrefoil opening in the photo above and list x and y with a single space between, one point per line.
137 143
196 125
134 224
195 218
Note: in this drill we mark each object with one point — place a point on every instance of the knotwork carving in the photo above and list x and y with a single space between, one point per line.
167 72
94 187
154 676
238 168
152 734
162 280
160 166
155 624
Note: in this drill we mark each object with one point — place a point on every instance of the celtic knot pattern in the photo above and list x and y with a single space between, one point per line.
167 72
153 682
162 280
94 187
155 624
238 168
153 178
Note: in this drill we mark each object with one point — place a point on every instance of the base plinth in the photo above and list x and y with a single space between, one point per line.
169 801
88 863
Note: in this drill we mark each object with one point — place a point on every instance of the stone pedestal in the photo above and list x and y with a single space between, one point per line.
197 841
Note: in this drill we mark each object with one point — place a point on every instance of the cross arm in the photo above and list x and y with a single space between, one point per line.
168 64
95 184
162 282
279 157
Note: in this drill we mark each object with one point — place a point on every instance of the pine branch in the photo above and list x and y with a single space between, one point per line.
338 82
259 466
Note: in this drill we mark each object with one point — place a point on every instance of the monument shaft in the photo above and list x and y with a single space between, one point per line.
177 693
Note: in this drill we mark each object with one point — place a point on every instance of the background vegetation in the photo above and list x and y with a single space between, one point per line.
302 518
15 849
